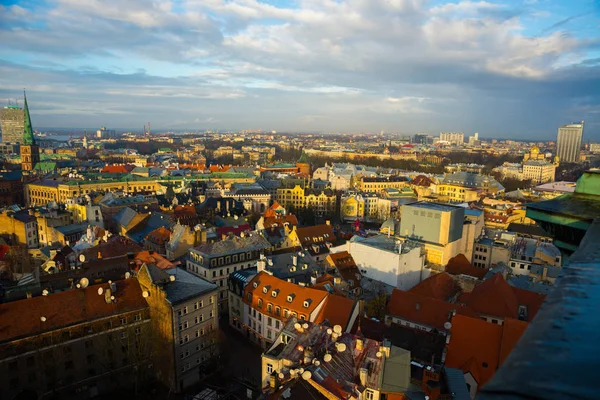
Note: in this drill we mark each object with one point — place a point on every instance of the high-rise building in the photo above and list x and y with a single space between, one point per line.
12 119
568 144
30 151
457 138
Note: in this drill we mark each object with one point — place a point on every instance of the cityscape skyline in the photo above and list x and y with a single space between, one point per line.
352 66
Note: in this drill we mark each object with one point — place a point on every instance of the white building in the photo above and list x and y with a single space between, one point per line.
400 264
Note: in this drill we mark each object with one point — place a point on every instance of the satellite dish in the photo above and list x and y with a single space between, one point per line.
84 282
172 278
112 298
447 325
281 375
378 354
317 363
82 257
297 326
337 329
329 331
100 291
145 294
327 358
306 375
45 292
305 326
127 275
43 319
78 286
341 347
334 336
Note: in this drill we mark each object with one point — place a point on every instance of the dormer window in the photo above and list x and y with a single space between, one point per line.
293 269
249 296
305 266
274 293
260 302
306 303
290 297
266 289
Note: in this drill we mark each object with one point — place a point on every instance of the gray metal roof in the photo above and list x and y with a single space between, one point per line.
186 286
455 379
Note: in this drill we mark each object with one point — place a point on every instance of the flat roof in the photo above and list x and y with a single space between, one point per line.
434 206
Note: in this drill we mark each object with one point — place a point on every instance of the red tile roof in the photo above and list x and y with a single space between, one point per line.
337 310
424 310
480 347
118 169
439 286
280 220
66 308
154 258
495 297
299 295
159 236
459 265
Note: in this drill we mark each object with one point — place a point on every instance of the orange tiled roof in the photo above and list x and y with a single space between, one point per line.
479 347
154 258
219 168
160 235
337 310
495 297
459 265
278 220
299 295
345 265
66 308
439 286
424 310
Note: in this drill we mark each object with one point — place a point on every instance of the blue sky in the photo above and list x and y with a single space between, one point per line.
501 68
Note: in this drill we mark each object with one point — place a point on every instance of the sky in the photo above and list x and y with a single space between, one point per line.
510 68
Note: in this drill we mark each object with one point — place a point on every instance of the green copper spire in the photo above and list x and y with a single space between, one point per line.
304 158
28 138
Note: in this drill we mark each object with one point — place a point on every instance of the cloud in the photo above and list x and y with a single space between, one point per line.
312 64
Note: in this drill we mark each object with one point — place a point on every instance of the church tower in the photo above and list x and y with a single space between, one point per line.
30 152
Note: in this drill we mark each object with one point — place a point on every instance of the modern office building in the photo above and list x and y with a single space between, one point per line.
12 120
568 144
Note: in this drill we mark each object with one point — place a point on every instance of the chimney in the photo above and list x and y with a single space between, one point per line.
359 344
261 265
545 273
387 347
328 222
295 260
99 255
363 373
113 287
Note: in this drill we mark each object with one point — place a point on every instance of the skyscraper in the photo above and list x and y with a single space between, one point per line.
12 122
568 144
30 151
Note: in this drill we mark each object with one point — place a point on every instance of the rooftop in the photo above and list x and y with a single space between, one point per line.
434 206
234 244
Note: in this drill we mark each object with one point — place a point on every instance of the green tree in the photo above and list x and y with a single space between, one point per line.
376 307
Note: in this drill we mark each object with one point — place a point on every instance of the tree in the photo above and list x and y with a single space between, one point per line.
376 307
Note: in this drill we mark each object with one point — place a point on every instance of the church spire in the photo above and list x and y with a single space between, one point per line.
28 138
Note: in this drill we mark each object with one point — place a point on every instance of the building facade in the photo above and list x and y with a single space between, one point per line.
568 144
12 121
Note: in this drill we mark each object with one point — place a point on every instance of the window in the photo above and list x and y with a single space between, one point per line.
185 325
277 310
285 313
269 321
260 303
138 330
69 364
123 321
211 313
185 310
270 308
211 299
123 335
369 394
138 317
269 368
196 305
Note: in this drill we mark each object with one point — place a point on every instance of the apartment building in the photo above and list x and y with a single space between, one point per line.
21 226
215 261
76 344
185 319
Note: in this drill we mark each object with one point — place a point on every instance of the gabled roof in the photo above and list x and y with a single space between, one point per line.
322 233
160 235
479 347
424 310
439 286
421 180
67 308
459 265
495 297
337 310
299 294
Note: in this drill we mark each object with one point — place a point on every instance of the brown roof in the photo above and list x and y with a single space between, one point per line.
480 347
323 233
152 258
280 220
423 309
299 295
439 286
159 236
495 297
115 247
20 319
346 267
421 180
459 265
337 310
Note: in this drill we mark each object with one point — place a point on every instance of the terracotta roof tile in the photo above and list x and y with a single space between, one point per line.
117 169
459 265
299 294
154 258
66 308
480 347
337 310
159 236
423 310
439 286
323 233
